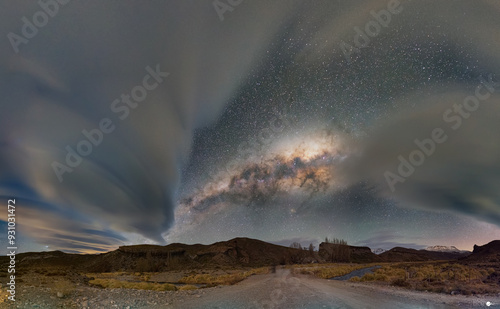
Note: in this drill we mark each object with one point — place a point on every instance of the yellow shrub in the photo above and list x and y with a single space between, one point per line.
368 277
64 287
228 279
420 275
380 277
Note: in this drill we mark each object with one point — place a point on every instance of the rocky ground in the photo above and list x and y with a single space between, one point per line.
88 297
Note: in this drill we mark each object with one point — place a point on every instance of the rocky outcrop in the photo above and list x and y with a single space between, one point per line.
347 254
489 253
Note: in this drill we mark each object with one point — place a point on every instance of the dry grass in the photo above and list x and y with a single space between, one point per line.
187 287
326 271
441 277
4 295
108 275
119 284
65 287
122 280
122 276
228 279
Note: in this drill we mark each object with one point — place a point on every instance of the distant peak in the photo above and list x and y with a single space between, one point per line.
441 248
378 250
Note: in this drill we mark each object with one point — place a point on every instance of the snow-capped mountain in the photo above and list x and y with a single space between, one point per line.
444 249
378 250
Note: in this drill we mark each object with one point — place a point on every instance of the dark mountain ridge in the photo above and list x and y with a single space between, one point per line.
488 253
237 252
399 254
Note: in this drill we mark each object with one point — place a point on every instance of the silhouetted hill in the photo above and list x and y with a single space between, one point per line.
237 252
489 253
51 259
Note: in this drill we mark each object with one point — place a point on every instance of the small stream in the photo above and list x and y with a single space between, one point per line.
357 273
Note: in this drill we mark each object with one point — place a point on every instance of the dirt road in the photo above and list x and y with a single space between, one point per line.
284 290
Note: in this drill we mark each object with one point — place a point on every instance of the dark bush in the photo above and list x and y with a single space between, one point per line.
101 267
401 282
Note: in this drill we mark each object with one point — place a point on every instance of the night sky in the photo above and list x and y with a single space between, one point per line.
271 123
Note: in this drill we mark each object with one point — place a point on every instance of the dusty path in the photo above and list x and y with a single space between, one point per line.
284 290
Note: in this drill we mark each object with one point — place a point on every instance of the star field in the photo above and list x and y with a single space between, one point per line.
279 122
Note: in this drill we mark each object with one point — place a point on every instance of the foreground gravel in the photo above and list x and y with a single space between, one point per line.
89 297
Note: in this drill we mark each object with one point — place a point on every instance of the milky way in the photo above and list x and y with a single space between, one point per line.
300 169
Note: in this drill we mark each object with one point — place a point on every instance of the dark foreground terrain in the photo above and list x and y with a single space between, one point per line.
281 289
247 273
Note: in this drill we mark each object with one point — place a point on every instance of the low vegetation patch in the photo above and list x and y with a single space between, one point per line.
142 281
119 284
63 288
108 275
440 277
327 271
187 287
228 279
3 295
